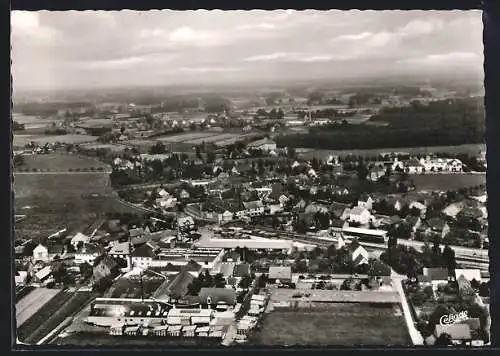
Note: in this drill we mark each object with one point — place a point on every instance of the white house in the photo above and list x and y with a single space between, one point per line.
366 203
414 166
79 238
252 208
265 145
41 253
358 254
359 215
87 254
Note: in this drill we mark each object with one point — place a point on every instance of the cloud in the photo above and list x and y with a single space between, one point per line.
186 35
323 58
208 69
27 24
268 57
257 26
443 58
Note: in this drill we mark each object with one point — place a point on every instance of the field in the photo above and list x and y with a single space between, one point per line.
102 339
59 162
51 315
472 149
32 302
187 136
21 140
447 181
342 324
56 201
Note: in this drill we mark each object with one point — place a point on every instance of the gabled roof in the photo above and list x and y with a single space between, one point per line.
257 204
357 210
280 272
436 223
90 249
122 248
412 220
216 295
436 274
241 270
144 251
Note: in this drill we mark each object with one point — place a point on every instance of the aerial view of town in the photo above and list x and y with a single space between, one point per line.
249 178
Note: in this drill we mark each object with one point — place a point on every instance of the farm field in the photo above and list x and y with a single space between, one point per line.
323 154
184 137
58 162
32 302
447 181
342 324
51 315
56 201
215 138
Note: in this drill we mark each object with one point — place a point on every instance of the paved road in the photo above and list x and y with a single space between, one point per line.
416 337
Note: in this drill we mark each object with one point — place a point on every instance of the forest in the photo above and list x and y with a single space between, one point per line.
450 122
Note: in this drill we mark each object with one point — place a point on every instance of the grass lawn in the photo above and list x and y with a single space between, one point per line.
342 324
59 161
54 314
447 181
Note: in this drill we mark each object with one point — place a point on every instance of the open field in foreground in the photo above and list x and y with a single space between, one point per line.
447 181
32 302
51 315
21 140
342 324
103 339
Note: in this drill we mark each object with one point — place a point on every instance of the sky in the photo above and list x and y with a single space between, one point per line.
75 49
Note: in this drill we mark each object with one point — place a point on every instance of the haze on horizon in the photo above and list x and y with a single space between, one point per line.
94 49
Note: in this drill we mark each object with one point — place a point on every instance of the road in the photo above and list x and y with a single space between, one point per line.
416 337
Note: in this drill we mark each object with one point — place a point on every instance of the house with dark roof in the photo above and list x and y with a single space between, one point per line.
88 253
143 255
215 296
438 226
365 202
433 277
358 253
337 208
281 273
241 270
376 173
104 267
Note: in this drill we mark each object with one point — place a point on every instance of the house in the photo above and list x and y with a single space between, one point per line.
43 276
280 274
394 202
459 333
106 267
215 296
359 255
414 166
418 206
143 255
376 173
252 208
88 253
241 270
438 226
337 209
20 278
433 277
359 215
183 194
47 253
264 144
41 253
185 222
365 202
414 222
79 238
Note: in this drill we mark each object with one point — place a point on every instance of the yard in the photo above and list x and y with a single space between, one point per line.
343 324
447 181
183 137
59 162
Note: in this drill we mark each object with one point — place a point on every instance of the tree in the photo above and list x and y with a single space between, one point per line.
210 157
86 270
449 258
443 340
158 148
245 282
291 152
219 281
362 170
331 251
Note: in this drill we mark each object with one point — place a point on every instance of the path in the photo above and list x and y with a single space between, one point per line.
61 172
416 337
